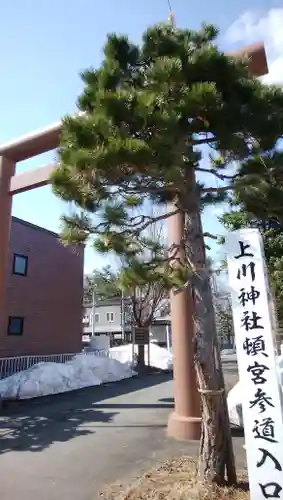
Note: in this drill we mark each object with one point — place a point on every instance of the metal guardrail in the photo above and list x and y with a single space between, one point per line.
9 366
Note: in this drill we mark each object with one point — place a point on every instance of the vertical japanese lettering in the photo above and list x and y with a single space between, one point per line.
255 350
251 321
254 346
270 490
257 370
264 430
244 269
244 251
248 296
262 400
266 454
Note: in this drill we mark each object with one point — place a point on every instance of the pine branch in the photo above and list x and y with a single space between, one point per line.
209 235
147 220
216 189
213 171
137 224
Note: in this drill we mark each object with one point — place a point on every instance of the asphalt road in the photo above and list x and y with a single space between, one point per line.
69 446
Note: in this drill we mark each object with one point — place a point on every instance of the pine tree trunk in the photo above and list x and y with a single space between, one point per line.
216 458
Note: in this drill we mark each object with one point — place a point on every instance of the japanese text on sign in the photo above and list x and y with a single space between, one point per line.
261 401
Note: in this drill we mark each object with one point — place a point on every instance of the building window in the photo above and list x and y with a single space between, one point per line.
20 264
86 320
110 317
15 325
96 318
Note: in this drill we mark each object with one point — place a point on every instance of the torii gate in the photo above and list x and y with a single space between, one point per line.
185 423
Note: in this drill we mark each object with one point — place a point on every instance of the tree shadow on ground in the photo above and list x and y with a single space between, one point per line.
36 424
168 401
37 432
129 406
162 403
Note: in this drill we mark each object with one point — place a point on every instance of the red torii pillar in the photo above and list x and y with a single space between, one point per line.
184 423
10 184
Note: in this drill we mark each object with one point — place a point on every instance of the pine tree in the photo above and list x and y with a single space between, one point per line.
146 114
105 281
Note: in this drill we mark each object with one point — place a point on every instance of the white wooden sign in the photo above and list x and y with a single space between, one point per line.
261 392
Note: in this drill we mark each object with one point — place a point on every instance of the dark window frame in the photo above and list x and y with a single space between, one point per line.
110 314
20 333
22 256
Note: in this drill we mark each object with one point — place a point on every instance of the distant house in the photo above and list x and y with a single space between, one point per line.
108 320
44 292
160 332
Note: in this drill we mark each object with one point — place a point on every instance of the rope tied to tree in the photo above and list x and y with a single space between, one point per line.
208 392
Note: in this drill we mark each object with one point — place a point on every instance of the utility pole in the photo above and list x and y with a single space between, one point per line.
93 312
123 315
168 343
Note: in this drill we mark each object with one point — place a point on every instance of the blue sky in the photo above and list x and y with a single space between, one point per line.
44 46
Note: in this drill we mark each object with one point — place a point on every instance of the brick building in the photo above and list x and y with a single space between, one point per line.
43 294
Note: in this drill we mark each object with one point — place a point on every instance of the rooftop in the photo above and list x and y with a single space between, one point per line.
34 226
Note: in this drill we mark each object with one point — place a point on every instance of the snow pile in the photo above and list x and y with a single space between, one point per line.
228 352
158 356
228 356
234 399
123 353
104 368
235 405
280 368
53 378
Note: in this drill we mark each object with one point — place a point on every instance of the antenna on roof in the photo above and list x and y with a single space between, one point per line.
171 17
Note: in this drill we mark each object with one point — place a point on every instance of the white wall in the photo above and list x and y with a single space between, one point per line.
158 334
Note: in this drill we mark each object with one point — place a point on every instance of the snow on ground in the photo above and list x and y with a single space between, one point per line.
158 356
228 355
84 370
235 396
